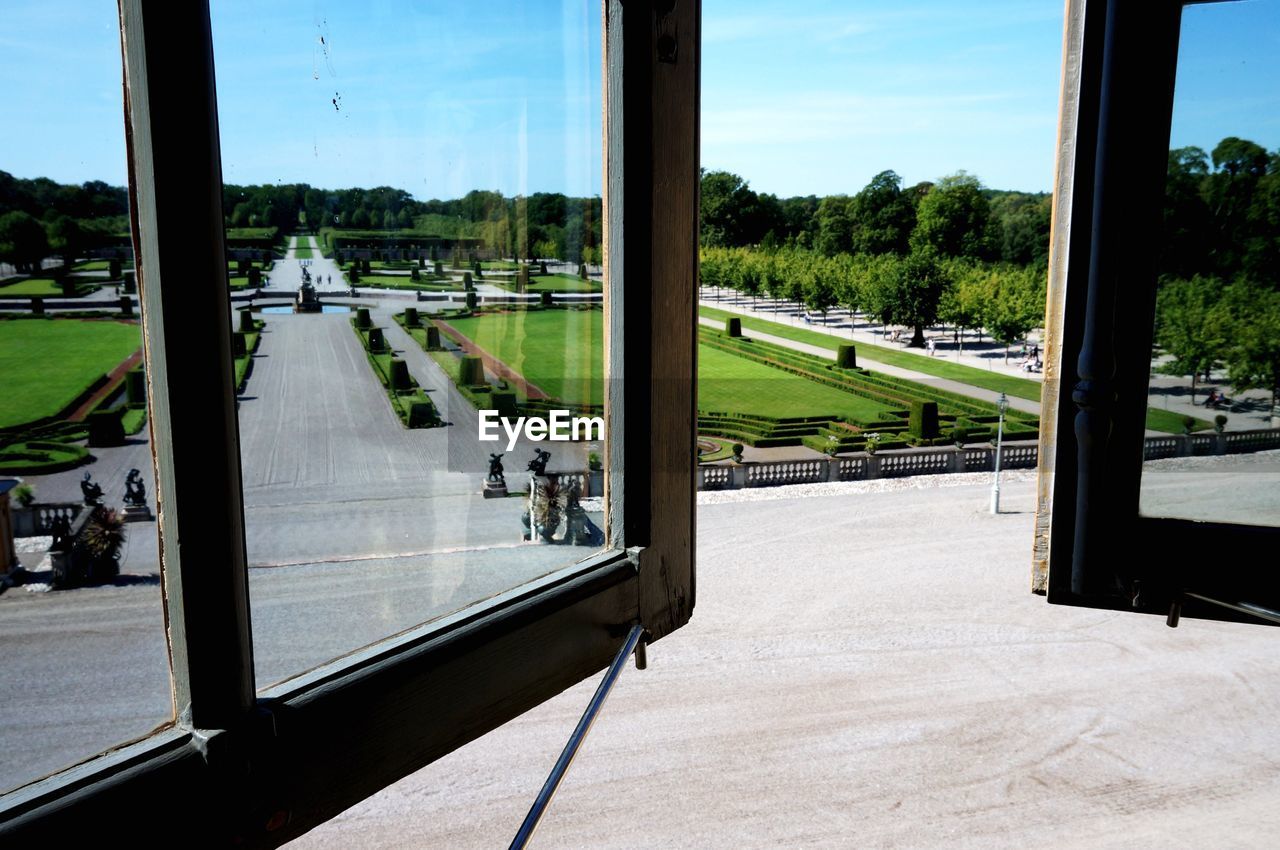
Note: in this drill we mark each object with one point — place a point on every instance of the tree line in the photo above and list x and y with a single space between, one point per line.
39 217
916 290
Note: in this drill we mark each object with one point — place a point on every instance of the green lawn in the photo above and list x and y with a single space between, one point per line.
561 351
302 248
405 282
1157 420
731 384
45 363
550 282
43 287
99 265
939 368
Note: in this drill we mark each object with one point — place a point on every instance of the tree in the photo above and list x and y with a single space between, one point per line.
882 217
1016 306
728 211
1191 327
360 218
23 241
954 219
918 284
835 230
1253 356
65 237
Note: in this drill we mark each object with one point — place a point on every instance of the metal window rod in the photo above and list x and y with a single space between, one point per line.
633 643
1258 611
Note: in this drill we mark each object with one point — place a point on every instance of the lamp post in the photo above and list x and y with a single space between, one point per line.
1002 404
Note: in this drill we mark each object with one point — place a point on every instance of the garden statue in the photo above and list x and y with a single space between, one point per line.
135 491
91 489
135 498
495 485
579 530
495 468
538 466
60 531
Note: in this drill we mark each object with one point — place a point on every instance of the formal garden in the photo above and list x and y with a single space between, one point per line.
538 357
67 380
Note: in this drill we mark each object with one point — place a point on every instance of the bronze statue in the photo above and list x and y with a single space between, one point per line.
91 489
538 466
135 491
495 469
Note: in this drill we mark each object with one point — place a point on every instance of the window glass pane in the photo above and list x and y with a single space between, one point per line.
1214 426
81 616
412 200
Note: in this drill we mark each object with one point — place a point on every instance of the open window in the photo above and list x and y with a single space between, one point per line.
1101 541
269 764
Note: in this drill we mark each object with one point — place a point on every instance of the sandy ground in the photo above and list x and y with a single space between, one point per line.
857 676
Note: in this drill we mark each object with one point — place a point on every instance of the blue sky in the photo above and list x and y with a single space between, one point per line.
439 98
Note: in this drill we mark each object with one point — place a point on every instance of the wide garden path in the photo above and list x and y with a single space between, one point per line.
287 273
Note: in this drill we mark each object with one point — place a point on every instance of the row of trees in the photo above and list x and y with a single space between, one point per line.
544 224
1204 324
40 217
916 290
955 217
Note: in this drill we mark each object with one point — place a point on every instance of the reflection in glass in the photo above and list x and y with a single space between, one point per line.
413 234
81 616
1216 365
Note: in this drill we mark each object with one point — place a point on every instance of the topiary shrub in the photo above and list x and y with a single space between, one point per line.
126 305
1188 424
246 321
542 267
847 357
413 274
339 258
438 267
37 305
472 300
471 371
582 270
255 277
130 281
243 266
1220 422
422 264
362 318
959 435
504 401
433 338
411 318
364 266
354 275
135 387
399 378
237 344
737 452
923 421
544 298
68 286
466 281
106 428
422 414
113 269
733 327
522 279
266 258
376 341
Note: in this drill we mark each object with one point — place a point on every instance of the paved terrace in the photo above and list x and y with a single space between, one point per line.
868 669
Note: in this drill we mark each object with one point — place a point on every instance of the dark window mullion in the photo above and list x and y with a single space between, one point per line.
176 164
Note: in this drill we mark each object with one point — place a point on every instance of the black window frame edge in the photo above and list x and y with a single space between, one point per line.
1092 546
260 769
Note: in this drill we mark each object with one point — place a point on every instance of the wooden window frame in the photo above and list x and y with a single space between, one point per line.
259 769
1093 548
